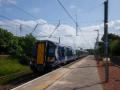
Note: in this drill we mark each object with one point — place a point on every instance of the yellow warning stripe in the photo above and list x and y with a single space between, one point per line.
51 80
55 77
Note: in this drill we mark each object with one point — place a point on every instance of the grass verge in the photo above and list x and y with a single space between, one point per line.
9 66
13 77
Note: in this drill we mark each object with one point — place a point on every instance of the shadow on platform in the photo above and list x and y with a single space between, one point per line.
87 86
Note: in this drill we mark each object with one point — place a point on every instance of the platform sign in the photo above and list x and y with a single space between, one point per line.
106 44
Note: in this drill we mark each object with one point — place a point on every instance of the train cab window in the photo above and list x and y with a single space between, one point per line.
34 51
51 51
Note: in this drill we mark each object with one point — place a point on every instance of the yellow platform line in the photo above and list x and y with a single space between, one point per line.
54 78
51 80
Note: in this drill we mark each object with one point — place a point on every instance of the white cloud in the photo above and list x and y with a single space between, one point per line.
11 1
86 39
8 1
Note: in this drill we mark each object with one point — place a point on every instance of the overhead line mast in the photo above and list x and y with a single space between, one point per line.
106 45
54 29
75 21
70 16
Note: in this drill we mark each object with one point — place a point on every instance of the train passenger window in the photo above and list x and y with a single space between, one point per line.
69 52
51 51
59 52
62 52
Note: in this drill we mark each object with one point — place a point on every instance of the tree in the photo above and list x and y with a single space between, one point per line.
101 49
115 48
111 37
114 44
20 47
27 43
6 39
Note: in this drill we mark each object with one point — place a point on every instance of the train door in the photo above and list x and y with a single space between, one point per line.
40 53
51 53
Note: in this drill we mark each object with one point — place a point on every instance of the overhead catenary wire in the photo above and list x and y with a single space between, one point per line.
23 10
5 17
54 29
70 16
15 22
19 24
27 13
4 26
36 18
35 28
66 11
85 38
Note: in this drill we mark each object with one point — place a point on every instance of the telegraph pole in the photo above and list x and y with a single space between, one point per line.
106 40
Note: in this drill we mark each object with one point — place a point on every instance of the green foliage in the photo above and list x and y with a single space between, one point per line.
114 45
111 37
13 77
91 51
101 48
26 43
115 48
20 47
6 39
10 65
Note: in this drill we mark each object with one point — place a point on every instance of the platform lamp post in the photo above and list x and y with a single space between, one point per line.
97 46
97 35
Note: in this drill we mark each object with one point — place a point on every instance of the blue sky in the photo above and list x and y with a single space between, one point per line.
90 13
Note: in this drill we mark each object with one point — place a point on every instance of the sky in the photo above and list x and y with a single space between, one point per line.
90 16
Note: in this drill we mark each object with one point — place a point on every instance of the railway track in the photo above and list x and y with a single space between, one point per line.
28 77
61 78
14 74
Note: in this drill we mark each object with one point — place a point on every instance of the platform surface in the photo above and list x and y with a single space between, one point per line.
82 75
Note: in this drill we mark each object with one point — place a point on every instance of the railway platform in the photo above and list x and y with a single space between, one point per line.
82 75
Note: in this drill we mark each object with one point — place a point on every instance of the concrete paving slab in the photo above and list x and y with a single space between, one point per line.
82 76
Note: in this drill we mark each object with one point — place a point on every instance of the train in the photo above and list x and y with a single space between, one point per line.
48 54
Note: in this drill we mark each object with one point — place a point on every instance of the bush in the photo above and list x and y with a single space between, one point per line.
115 48
20 47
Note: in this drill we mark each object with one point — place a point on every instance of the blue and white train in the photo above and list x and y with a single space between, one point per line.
47 54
